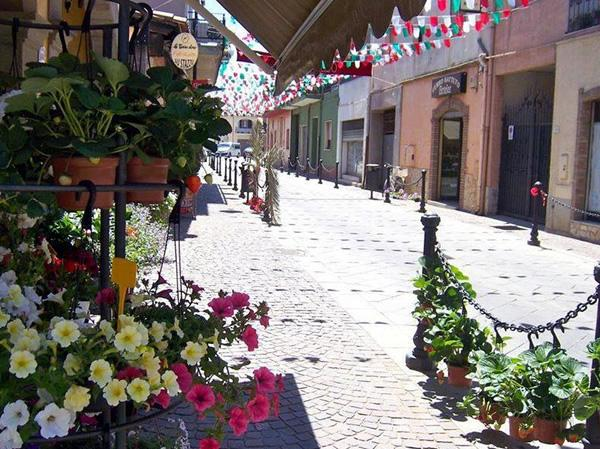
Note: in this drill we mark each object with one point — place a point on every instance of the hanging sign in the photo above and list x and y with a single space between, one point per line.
455 83
184 51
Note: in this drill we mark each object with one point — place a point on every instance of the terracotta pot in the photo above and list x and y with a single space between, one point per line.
155 171
490 414
80 169
514 423
546 431
457 377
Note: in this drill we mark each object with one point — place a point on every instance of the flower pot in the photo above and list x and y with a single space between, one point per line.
457 377
490 414
546 430
155 171
514 423
102 172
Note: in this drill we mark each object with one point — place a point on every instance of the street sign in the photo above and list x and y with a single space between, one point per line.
454 83
184 51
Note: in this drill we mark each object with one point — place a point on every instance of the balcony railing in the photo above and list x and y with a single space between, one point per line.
583 14
243 130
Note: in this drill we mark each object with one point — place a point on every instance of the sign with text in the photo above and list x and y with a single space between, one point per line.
184 51
455 83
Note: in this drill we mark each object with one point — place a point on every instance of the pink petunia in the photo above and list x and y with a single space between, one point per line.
163 399
250 337
239 300
184 377
264 321
258 408
209 443
106 296
265 380
130 373
238 421
88 420
275 404
279 382
221 307
202 396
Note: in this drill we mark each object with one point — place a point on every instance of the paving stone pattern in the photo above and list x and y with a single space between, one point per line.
337 276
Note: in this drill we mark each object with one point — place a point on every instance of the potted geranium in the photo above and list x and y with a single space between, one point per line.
72 113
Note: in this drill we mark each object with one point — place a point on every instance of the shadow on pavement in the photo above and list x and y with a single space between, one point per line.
444 398
209 194
497 438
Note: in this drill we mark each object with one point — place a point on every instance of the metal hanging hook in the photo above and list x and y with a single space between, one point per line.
555 341
530 338
499 339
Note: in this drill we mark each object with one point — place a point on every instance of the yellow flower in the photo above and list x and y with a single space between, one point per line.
138 390
144 340
114 392
77 398
4 317
22 364
150 363
65 332
157 331
169 379
128 339
175 328
154 381
162 345
15 295
28 341
14 328
136 300
193 352
72 365
126 320
100 372
106 329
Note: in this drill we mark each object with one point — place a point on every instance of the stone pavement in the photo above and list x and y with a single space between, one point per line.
337 275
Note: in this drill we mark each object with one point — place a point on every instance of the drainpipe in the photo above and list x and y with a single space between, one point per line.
487 119
368 133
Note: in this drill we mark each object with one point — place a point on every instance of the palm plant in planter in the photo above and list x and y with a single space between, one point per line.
177 122
73 112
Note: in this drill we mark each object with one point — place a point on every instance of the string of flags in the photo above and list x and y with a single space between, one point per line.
248 91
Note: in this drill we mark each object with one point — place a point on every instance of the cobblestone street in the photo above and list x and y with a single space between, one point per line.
337 275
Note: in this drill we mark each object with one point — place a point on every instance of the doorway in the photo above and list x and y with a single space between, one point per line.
451 130
314 140
295 138
593 194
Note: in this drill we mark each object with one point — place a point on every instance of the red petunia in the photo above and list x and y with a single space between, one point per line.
265 380
184 377
202 396
209 443
221 307
106 296
163 399
250 337
239 300
238 421
259 408
265 320
130 373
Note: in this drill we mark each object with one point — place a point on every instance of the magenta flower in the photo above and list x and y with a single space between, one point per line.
279 382
163 399
250 337
222 307
238 421
259 408
106 296
264 321
239 300
275 404
202 396
130 373
209 443
265 380
184 377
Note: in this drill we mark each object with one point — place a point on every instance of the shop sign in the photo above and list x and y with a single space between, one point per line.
184 51
455 83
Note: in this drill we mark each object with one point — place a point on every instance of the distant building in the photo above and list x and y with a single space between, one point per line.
241 130
278 127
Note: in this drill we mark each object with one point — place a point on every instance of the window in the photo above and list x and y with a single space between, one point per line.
328 134
245 124
583 14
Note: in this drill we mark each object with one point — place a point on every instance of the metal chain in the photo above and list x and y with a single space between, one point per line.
573 208
499 324
328 170
311 167
410 184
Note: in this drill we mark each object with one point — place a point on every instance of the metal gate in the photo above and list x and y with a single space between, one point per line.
526 139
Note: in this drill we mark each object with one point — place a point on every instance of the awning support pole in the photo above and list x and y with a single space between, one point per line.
197 6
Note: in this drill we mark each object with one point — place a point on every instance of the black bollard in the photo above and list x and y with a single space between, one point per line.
319 171
244 185
536 193
592 430
289 166
225 170
423 191
307 168
388 170
229 182
337 171
235 175
297 167
418 359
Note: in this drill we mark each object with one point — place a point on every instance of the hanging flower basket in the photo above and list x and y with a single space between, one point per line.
155 170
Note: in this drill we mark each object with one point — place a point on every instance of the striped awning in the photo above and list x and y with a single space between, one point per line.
302 33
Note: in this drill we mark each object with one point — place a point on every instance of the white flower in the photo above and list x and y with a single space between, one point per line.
32 295
56 297
138 390
15 295
9 277
4 317
77 398
22 364
126 320
128 339
106 329
137 300
65 332
10 439
15 328
169 379
157 331
100 372
53 421
150 363
114 392
15 415
24 221
45 248
4 252
72 364
193 352
175 328
23 248
143 331
28 341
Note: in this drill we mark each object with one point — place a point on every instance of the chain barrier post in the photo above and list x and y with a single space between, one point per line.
225 170
423 192
235 175
388 173
337 171
418 359
319 171
289 165
297 166
592 429
229 182
244 180
220 165
307 171
536 194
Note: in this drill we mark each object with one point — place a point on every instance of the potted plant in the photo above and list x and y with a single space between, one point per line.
72 113
557 383
178 122
589 402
